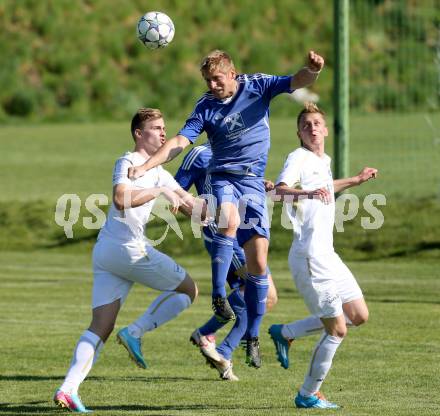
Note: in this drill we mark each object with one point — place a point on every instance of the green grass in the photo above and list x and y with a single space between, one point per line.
46 161
43 162
388 367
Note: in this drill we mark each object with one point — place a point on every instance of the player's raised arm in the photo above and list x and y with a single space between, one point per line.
364 175
164 154
283 192
307 75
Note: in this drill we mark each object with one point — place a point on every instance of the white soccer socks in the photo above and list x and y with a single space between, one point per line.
302 328
307 326
84 356
164 308
320 364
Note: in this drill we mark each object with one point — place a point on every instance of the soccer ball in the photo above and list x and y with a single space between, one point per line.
155 30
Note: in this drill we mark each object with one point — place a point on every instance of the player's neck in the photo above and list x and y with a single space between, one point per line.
143 152
233 92
317 150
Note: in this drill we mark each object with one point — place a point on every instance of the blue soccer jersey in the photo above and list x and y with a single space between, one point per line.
193 171
238 129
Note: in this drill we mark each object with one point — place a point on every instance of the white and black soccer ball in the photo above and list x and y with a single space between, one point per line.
155 30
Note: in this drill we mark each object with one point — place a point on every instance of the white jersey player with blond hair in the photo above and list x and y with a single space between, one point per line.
122 256
330 291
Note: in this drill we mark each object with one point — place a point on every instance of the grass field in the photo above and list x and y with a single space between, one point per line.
388 367
43 162
46 161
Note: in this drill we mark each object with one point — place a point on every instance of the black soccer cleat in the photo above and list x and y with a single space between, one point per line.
253 358
222 309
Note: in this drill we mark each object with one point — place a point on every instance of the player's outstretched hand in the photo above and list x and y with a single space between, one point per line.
135 172
315 62
366 174
323 194
172 198
268 185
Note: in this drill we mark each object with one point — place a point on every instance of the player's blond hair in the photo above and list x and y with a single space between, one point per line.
217 60
143 115
309 108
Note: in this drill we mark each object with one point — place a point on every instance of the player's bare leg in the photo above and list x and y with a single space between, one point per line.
104 318
165 307
356 311
334 332
85 355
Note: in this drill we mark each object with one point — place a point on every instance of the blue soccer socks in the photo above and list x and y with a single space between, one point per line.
222 249
255 296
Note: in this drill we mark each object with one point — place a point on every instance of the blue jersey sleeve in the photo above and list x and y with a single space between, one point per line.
276 85
193 169
194 125
184 178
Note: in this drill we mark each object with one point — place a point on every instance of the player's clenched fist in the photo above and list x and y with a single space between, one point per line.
135 172
315 62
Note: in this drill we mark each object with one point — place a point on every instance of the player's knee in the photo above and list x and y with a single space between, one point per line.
230 230
102 329
257 265
188 287
361 318
194 293
228 223
340 332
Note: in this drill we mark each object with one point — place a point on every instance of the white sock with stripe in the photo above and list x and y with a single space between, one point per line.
164 308
302 328
320 363
84 356
305 327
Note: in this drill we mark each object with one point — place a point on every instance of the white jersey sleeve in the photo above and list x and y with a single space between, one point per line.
167 180
291 172
120 171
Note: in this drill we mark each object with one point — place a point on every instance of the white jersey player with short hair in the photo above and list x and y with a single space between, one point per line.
330 291
312 221
123 256
312 251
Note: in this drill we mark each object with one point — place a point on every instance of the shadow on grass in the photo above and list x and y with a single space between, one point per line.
419 248
36 408
167 379
62 241
417 301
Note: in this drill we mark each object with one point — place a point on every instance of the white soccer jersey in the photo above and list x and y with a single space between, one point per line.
312 219
129 224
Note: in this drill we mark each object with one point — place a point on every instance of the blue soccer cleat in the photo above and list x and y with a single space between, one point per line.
316 401
282 345
70 402
133 346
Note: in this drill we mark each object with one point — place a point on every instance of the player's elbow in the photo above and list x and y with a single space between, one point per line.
118 201
121 197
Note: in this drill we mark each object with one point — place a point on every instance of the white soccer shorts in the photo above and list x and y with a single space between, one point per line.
117 266
325 282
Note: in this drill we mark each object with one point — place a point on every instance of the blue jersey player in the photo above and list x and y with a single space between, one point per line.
193 171
234 113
